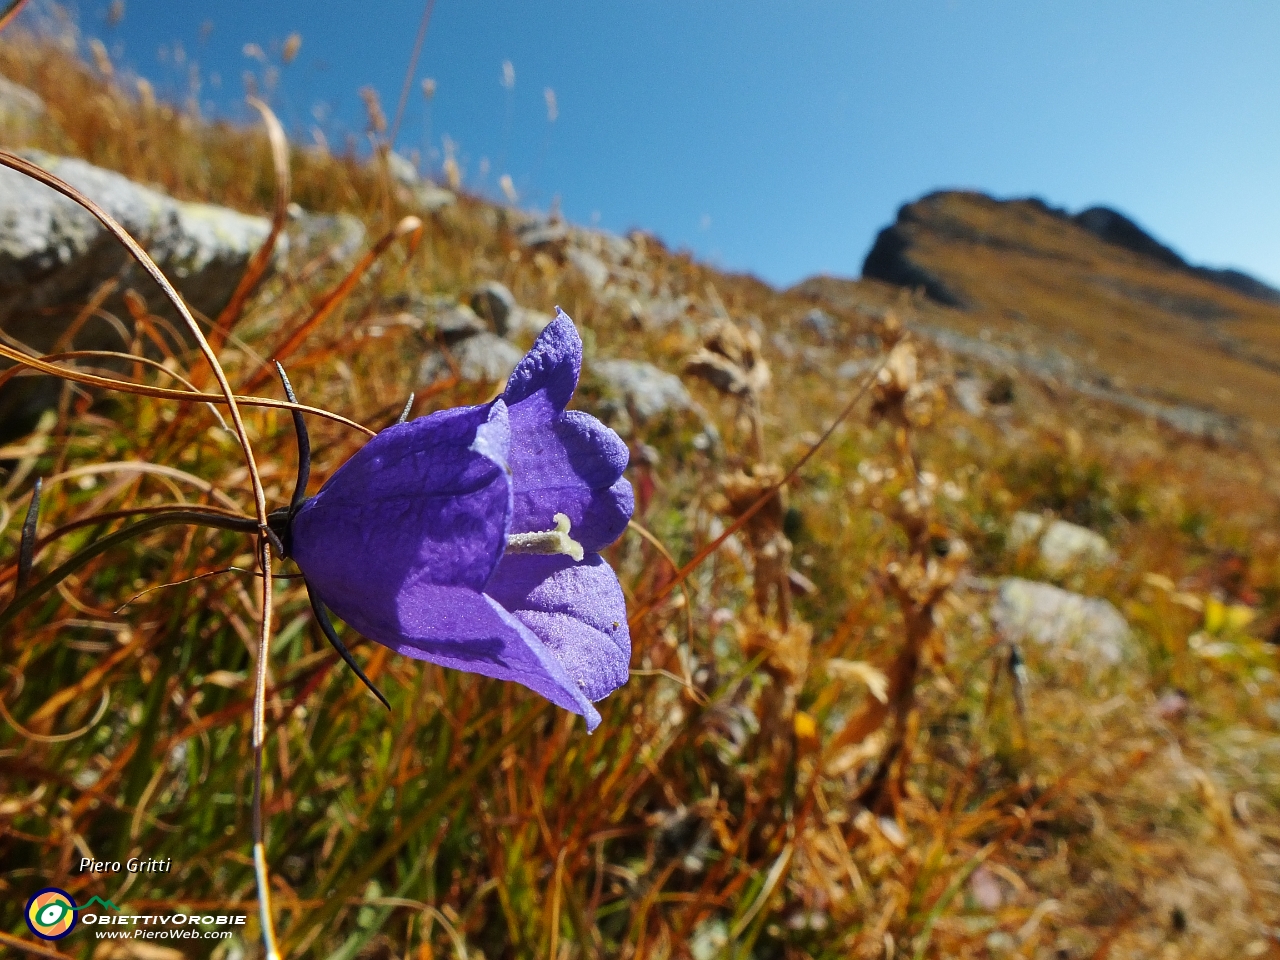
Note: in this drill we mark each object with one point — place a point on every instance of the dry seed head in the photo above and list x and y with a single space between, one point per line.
924 580
901 370
912 513
924 402
508 75
508 188
101 59
719 372
873 678
726 338
854 756
292 44
428 87
452 174
254 52
786 649
890 329
373 107
899 375
553 109
741 490
147 94
730 360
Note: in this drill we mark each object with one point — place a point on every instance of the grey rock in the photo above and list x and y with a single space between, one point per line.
820 322
1056 367
647 390
199 245
54 255
523 321
853 369
542 233
662 311
1087 627
482 358
783 344
18 104
414 189
456 324
815 359
438 318
1063 545
493 302
429 198
617 250
402 170
338 236
592 268
970 394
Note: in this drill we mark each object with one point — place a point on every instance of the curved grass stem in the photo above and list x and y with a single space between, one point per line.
23 599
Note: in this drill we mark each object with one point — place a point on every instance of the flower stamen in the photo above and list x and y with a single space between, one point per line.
548 542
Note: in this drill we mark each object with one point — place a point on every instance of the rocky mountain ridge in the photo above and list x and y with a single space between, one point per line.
890 256
1089 300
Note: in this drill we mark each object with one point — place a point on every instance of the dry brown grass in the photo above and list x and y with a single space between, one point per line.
475 814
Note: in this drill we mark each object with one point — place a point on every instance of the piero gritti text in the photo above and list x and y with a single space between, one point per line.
132 865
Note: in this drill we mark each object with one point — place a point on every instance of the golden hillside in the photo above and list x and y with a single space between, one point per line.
1026 276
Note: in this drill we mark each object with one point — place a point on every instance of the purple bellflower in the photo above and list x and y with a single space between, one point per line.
471 537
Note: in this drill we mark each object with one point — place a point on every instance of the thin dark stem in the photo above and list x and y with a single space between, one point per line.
276 543
203 576
98 519
304 448
404 414
22 599
326 627
27 550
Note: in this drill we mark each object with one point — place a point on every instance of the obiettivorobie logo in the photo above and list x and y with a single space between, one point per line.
51 913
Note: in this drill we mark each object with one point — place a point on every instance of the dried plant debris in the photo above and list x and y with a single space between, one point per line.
991 680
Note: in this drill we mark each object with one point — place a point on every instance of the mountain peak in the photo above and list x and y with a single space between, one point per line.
969 217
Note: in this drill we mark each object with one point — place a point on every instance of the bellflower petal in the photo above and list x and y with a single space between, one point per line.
543 382
578 611
406 541
571 465
464 630
564 462
429 498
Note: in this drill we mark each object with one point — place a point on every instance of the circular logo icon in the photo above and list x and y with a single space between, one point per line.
51 913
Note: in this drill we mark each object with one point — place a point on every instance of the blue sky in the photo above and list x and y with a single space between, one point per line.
777 138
